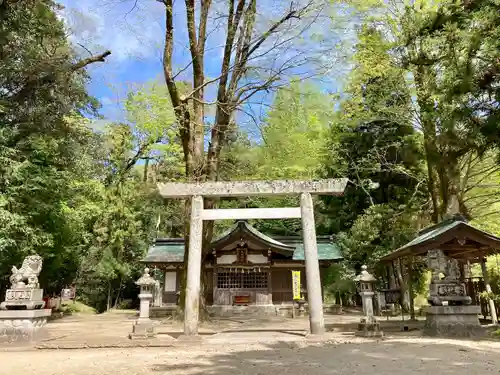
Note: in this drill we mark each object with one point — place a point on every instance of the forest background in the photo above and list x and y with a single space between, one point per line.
401 97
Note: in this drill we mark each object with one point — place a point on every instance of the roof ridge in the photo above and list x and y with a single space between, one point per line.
455 218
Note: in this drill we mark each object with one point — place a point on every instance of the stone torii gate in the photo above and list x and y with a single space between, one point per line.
197 191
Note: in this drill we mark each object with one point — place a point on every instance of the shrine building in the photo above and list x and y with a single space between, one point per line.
243 267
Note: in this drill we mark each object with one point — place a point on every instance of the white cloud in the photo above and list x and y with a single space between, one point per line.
128 28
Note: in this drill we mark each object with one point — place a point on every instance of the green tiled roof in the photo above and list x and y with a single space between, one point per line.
436 234
433 232
243 228
164 251
172 250
326 251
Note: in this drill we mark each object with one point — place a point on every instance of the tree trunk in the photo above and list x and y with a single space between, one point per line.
146 165
115 305
453 189
402 287
426 115
108 304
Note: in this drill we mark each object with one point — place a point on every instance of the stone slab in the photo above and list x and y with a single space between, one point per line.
452 292
252 188
315 338
18 326
369 329
184 340
25 314
454 310
453 321
28 298
247 311
142 329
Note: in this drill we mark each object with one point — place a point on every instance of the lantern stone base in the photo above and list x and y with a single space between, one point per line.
369 327
142 329
453 321
190 339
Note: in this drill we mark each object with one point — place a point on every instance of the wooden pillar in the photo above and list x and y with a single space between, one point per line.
461 267
192 304
410 288
491 303
269 278
269 287
313 280
215 277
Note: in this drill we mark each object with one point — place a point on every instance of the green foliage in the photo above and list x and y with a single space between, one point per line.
339 280
451 60
417 123
44 144
372 141
297 123
75 307
293 146
378 231
150 111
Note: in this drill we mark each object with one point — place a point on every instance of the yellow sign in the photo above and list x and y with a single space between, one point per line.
296 285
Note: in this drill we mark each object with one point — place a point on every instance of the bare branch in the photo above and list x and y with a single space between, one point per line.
167 53
90 60
50 77
85 48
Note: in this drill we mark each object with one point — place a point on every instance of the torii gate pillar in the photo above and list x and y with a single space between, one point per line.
313 279
192 303
253 188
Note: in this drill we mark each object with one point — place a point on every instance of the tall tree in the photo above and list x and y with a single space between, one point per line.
240 76
150 113
297 122
252 62
43 139
372 140
294 134
258 54
454 64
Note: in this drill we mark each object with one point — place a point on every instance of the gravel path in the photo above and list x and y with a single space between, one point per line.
396 356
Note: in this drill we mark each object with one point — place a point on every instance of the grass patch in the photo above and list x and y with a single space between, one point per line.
121 311
496 334
421 301
76 307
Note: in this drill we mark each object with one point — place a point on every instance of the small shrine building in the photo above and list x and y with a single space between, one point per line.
241 267
458 244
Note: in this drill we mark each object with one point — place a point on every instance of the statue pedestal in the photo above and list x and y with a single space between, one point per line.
23 325
369 327
142 329
453 321
452 292
23 299
301 303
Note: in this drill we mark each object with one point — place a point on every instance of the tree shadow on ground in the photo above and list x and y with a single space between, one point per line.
384 357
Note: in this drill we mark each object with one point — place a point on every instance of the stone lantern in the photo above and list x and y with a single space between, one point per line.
143 327
368 326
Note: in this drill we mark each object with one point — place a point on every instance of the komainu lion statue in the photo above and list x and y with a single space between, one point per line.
29 271
439 263
449 288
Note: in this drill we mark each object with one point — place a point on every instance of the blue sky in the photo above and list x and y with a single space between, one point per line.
134 32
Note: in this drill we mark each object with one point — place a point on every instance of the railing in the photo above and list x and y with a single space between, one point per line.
474 287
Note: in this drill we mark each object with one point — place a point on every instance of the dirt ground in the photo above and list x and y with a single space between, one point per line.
246 346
